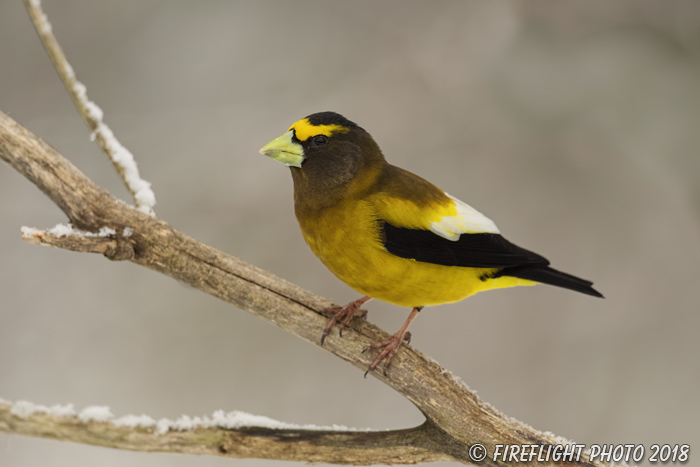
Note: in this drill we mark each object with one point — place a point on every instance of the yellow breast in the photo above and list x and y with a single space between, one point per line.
347 239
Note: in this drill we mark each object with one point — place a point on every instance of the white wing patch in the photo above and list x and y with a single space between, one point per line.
467 220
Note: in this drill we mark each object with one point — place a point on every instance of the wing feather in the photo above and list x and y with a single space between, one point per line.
466 220
477 250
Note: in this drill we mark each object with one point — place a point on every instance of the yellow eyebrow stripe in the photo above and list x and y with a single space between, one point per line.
303 129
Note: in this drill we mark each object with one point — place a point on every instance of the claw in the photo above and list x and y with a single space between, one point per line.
390 346
344 314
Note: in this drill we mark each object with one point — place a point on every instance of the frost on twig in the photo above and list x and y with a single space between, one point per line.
121 157
229 434
66 230
219 419
105 241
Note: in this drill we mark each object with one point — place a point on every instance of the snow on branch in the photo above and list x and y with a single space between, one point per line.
122 159
233 434
219 419
105 241
66 230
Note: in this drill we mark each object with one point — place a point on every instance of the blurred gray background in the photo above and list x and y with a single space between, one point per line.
573 125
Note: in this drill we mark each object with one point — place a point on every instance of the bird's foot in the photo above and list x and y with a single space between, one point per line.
344 314
389 348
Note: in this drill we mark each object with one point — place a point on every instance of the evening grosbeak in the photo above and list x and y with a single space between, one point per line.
391 235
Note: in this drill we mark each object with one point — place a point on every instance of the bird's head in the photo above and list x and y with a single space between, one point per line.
309 136
325 151
318 136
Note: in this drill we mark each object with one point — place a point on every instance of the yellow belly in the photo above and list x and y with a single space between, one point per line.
346 239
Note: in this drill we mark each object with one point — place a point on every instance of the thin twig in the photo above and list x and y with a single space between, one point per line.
121 158
456 417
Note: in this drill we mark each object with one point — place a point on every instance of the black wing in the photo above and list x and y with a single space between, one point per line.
479 250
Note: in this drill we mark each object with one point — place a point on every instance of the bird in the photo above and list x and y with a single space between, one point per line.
392 235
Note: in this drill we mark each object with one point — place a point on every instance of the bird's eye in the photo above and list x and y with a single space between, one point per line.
320 140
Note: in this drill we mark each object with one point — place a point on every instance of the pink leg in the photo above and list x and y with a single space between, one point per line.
344 314
391 346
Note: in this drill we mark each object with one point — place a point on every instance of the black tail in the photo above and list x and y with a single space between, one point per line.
547 275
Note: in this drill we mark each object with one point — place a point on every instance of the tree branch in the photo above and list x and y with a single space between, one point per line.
305 445
121 158
112 246
456 417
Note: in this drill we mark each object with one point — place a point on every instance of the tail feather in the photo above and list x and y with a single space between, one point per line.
547 275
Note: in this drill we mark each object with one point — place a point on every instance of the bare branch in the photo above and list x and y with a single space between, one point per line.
456 417
122 159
